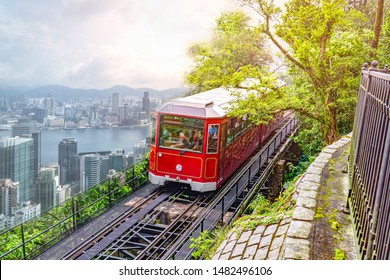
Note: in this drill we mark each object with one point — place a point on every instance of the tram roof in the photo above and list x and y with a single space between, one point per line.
208 104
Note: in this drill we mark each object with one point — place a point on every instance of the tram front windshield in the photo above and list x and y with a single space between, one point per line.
181 133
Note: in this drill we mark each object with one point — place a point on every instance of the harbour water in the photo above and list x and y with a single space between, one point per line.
89 140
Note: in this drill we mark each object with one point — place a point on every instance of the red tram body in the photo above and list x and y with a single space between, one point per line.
196 143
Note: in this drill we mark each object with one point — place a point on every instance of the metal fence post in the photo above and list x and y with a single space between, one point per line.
73 215
110 192
378 196
223 206
23 242
361 121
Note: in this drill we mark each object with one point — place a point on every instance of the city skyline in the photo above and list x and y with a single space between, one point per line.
28 185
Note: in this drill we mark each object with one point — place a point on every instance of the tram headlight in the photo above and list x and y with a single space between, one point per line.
179 167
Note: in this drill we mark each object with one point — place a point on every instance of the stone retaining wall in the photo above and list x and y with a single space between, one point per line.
289 239
296 242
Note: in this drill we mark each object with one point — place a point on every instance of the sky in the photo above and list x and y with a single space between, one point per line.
100 43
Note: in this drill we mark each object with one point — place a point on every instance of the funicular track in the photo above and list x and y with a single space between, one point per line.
116 227
140 234
148 239
233 198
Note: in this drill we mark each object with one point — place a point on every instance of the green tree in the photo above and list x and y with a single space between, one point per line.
235 50
383 55
237 57
378 24
324 45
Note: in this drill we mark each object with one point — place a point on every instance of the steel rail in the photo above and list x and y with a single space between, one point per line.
137 228
166 233
86 244
166 241
197 226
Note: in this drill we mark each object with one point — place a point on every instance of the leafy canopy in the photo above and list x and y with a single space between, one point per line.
237 57
235 50
324 45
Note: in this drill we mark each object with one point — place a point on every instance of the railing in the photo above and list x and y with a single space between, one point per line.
369 166
29 239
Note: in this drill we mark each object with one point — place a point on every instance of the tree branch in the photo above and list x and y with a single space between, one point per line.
265 14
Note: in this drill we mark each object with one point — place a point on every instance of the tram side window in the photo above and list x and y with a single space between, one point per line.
236 126
212 143
181 133
153 134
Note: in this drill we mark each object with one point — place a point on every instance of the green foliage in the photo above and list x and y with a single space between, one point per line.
234 46
309 139
339 254
259 205
383 55
202 244
326 47
293 171
207 243
263 98
265 212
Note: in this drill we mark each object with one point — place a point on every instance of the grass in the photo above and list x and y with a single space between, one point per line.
339 254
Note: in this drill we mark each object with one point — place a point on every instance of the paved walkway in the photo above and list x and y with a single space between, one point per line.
318 225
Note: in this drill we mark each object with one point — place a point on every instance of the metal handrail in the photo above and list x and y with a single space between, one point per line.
369 164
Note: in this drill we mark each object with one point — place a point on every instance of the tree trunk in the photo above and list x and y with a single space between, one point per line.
331 132
378 24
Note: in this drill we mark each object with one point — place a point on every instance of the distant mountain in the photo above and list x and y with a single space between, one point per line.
15 88
64 93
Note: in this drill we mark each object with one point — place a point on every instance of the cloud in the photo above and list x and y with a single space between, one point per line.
99 43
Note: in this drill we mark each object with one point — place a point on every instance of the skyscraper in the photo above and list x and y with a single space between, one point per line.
117 160
89 171
49 106
47 188
67 160
115 103
17 164
146 102
145 106
27 129
9 196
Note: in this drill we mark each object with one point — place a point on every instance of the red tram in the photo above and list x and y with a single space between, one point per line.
196 143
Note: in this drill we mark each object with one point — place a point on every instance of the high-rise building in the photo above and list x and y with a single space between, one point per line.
117 160
3 105
49 106
27 129
68 161
24 127
115 103
9 196
124 112
146 103
17 164
47 187
68 114
89 171
139 150
26 211
104 166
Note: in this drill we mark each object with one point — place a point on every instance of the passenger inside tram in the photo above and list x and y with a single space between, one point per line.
179 138
195 141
